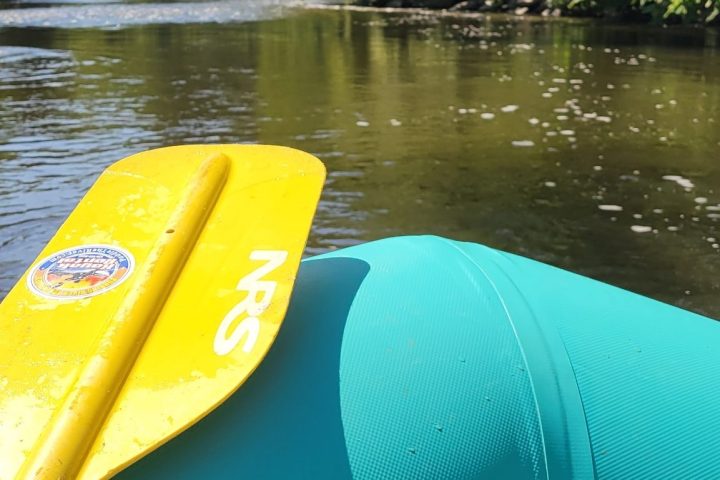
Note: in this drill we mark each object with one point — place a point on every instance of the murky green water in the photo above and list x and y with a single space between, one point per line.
592 147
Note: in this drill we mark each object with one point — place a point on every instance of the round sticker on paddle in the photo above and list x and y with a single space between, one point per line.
80 272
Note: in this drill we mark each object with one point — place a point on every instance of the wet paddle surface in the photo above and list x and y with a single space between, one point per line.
589 146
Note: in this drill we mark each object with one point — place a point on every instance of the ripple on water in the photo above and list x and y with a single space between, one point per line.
268 82
32 68
10 54
121 14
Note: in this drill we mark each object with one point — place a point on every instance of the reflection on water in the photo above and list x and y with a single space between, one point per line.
588 146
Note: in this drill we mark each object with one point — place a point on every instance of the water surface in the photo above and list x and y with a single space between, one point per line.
590 146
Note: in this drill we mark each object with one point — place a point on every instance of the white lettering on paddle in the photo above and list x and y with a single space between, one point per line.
253 285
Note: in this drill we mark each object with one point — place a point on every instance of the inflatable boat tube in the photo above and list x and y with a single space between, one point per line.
425 358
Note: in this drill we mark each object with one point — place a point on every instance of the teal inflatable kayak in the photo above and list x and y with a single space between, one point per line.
421 357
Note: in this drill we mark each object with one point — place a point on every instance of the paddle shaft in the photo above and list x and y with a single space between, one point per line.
73 429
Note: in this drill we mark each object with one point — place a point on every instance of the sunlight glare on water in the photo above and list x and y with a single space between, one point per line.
105 14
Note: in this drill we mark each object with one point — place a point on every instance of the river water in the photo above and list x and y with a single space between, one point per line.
590 146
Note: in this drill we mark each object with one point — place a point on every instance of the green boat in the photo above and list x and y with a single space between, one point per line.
422 357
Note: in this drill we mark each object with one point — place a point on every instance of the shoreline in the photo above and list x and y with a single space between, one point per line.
438 12
521 13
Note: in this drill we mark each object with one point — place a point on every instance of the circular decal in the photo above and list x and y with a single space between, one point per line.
80 272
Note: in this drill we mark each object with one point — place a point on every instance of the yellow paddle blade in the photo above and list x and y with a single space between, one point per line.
155 300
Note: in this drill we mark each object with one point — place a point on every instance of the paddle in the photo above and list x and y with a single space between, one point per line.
155 300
